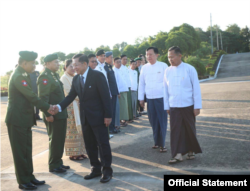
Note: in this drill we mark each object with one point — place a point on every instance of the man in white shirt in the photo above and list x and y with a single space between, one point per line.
123 88
100 55
182 100
151 83
133 74
125 71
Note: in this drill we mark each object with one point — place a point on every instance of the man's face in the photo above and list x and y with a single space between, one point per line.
92 62
118 63
53 65
173 58
151 56
29 66
101 58
143 61
109 59
79 67
133 65
138 62
124 60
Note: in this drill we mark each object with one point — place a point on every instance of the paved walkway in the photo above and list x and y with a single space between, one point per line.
223 130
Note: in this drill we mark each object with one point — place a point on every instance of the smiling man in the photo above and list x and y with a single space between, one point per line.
95 112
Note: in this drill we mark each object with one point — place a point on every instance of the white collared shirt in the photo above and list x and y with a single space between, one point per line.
121 82
181 87
133 74
125 73
151 80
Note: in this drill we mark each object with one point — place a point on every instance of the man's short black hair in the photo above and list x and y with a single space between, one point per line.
176 49
82 58
123 56
153 48
91 55
116 58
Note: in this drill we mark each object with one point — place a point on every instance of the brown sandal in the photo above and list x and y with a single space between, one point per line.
155 147
163 149
76 158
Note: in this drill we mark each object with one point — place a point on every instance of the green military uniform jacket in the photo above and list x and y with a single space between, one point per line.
50 90
22 99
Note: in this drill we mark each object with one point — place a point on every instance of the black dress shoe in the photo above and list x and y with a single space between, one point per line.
114 131
37 182
65 167
58 170
38 118
92 175
28 186
105 178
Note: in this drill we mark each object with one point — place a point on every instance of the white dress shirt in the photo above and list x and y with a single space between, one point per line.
121 83
133 74
151 80
181 87
125 74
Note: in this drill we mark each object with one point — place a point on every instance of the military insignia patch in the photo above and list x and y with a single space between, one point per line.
24 83
45 81
24 74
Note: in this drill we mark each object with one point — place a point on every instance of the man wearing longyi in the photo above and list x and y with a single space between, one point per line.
20 118
95 111
182 100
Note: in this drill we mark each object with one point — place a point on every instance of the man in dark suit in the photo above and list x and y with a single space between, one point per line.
95 112
113 88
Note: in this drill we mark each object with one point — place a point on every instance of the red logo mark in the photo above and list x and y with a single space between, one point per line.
24 83
45 81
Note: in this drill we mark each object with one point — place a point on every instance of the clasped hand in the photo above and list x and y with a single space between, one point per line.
53 110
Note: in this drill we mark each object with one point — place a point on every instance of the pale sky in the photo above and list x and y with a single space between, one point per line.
70 25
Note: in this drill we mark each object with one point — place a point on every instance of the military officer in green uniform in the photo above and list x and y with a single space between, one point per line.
50 90
21 117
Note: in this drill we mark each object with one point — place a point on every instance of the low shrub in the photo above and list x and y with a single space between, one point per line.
195 62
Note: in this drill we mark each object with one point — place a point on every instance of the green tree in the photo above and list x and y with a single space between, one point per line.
245 33
233 28
140 40
159 42
203 35
123 45
199 66
214 28
181 39
142 48
116 52
42 60
203 51
130 51
87 51
61 56
69 56
102 47
117 45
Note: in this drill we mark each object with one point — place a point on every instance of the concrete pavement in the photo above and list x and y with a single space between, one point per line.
223 131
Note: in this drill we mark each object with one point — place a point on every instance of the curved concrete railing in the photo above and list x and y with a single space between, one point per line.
216 72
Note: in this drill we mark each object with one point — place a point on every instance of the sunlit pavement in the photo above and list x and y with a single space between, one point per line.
223 131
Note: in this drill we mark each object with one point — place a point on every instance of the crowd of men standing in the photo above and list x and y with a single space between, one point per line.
96 96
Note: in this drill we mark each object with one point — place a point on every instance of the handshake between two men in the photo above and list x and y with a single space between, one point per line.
53 110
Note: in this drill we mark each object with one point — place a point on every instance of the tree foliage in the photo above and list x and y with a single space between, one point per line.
233 28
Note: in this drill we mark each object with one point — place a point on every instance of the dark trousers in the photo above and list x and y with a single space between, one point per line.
97 137
57 133
113 105
37 112
21 145
183 131
158 119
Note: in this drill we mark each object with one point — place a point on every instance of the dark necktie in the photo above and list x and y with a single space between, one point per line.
82 82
